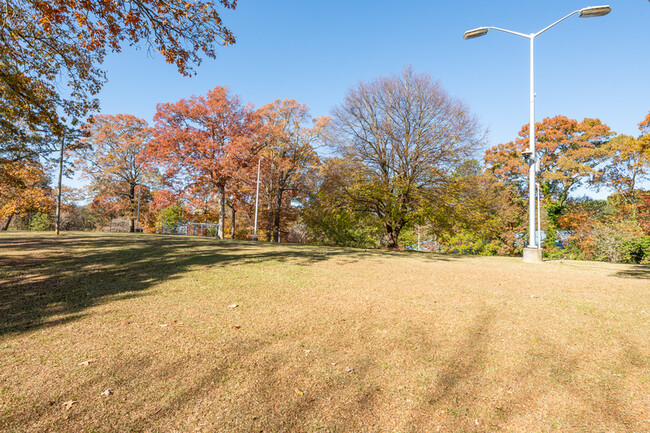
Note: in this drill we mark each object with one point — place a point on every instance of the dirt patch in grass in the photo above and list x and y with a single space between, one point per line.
102 333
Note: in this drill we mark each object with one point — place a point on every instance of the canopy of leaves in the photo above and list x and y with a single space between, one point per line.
113 158
290 159
204 141
480 206
569 153
329 214
48 45
24 188
628 162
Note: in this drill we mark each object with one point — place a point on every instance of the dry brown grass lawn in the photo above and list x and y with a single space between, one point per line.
321 340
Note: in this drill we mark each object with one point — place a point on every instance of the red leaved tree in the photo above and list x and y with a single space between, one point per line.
203 141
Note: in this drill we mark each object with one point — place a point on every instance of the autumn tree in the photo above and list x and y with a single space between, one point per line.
569 153
643 212
203 141
289 156
628 161
24 189
45 43
404 135
600 229
113 158
331 217
480 212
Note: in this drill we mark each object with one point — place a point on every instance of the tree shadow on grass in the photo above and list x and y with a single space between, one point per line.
462 391
640 272
46 281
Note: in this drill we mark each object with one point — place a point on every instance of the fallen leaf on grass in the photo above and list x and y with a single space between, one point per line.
87 362
233 306
68 404
236 326
107 393
164 325
349 369
299 392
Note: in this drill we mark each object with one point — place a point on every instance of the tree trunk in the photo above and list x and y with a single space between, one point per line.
222 211
392 235
269 221
6 224
276 217
232 217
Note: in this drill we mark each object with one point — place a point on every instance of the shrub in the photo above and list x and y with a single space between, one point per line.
172 215
636 250
40 222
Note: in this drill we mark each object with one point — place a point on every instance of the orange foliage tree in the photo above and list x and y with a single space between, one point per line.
290 160
23 189
644 212
203 141
113 158
569 153
44 43
628 161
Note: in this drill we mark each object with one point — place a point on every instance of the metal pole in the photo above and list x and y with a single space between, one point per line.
539 217
137 220
257 197
531 140
58 198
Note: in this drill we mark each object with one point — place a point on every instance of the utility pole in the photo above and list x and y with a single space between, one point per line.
257 196
58 199
137 219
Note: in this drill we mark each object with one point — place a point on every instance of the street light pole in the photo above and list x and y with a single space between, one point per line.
539 216
532 172
534 252
257 196
58 195
137 221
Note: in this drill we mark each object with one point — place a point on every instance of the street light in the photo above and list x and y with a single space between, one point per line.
137 221
257 196
539 216
534 252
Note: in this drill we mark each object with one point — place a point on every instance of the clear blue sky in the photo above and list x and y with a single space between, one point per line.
315 51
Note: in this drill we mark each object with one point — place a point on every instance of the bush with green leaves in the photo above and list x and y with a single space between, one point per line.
466 243
40 222
636 250
172 215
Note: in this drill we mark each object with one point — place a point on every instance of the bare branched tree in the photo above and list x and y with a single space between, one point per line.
403 134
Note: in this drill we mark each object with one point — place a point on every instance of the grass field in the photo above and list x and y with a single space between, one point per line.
118 333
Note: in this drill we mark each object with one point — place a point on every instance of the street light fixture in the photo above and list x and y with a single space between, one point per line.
594 11
475 33
534 252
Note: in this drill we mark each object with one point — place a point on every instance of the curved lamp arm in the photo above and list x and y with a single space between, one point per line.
556 22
